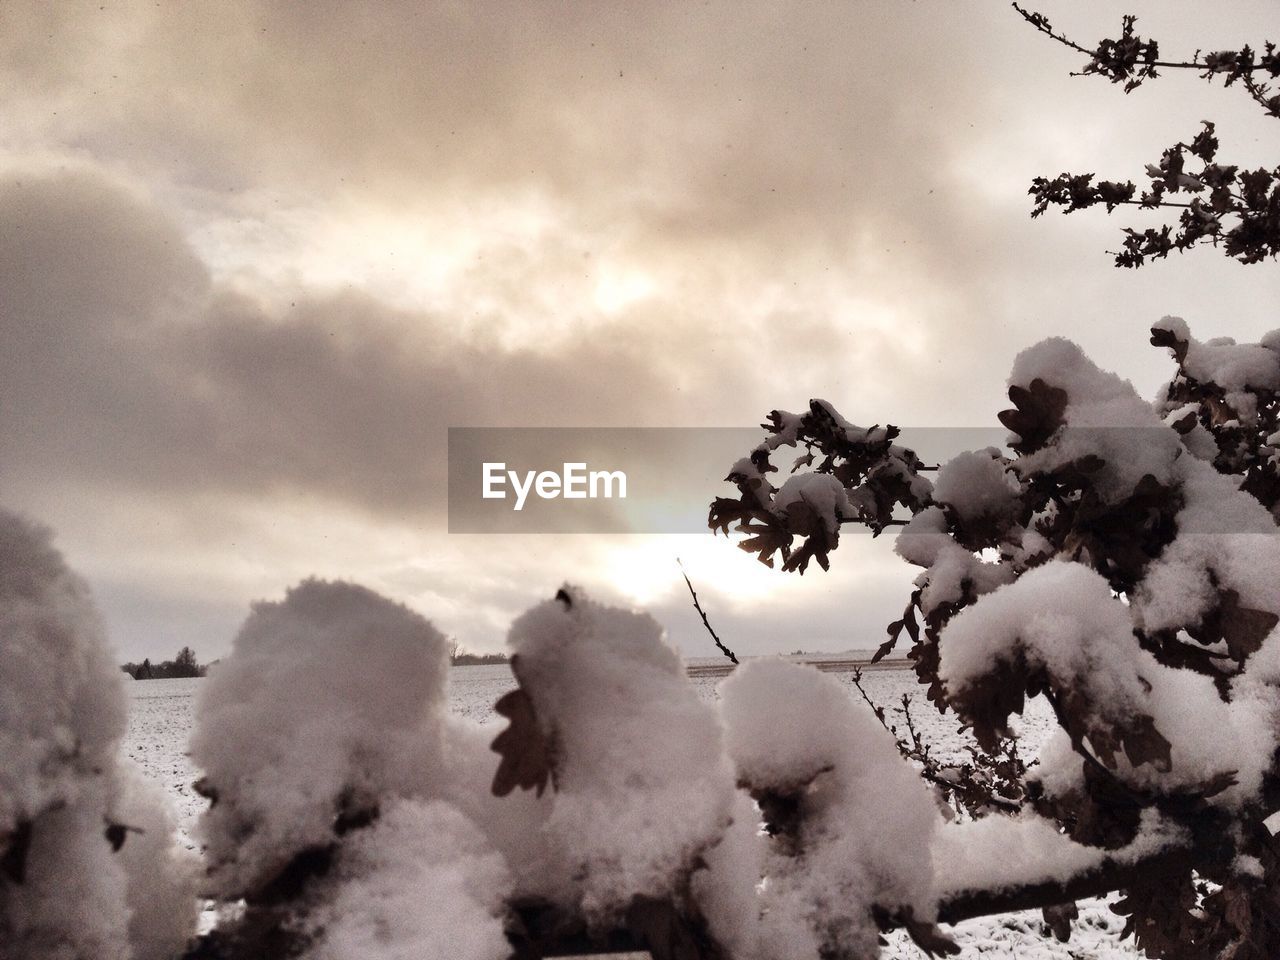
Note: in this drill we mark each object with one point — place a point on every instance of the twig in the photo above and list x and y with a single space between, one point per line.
1040 23
856 679
921 747
917 752
702 613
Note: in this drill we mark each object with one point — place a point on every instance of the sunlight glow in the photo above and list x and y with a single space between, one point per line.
618 287
646 571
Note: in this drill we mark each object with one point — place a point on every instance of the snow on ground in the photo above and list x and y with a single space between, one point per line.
160 720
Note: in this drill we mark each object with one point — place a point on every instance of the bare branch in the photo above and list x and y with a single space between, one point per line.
702 613
1039 21
918 753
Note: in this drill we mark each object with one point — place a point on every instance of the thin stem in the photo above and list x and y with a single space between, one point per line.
702 613
1041 24
918 750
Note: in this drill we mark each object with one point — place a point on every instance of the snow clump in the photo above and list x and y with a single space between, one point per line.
78 878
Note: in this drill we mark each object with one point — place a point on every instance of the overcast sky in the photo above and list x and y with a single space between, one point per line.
256 258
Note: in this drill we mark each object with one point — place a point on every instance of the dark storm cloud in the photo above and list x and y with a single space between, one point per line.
119 359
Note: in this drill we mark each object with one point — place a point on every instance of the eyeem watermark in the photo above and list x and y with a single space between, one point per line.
623 480
574 482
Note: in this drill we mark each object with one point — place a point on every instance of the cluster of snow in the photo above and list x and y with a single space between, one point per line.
1225 538
162 875
62 710
1235 367
1063 620
65 892
329 701
1218 380
642 786
952 569
422 881
1005 853
821 494
330 709
977 485
866 821
326 730
1060 618
1104 418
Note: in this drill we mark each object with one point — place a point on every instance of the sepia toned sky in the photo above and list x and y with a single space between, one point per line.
256 258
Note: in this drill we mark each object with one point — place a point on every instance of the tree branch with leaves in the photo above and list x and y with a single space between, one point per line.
1221 205
1120 562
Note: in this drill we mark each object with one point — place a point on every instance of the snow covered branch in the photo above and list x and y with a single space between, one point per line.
1121 563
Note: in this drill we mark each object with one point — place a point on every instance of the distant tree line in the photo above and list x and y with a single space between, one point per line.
459 657
183 665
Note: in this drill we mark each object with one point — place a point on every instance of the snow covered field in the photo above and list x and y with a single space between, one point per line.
160 721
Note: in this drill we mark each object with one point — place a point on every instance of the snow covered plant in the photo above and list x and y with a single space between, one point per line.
341 796
352 818
88 868
356 820
1121 561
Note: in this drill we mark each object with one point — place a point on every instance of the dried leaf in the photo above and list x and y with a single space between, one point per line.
987 702
1038 413
1143 743
882 651
525 750
1161 337
116 834
1059 918
1242 628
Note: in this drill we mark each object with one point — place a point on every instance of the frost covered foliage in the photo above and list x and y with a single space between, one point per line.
87 865
423 881
862 476
604 714
697 833
330 700
1119 559
346 808
1224 402
851 824
359 821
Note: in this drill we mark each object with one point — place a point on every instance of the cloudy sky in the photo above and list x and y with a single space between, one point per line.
256 258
